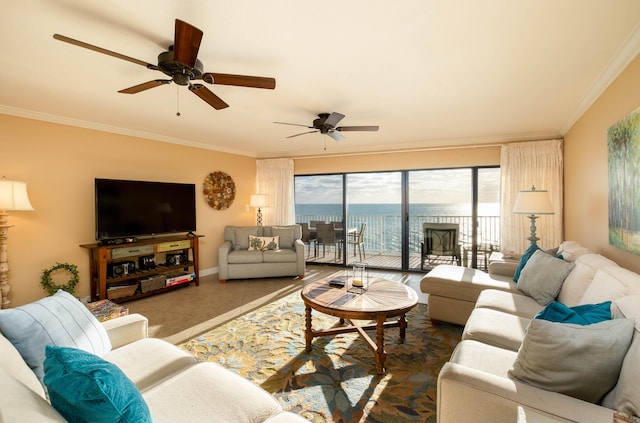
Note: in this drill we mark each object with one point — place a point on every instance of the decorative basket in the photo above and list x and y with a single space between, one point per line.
115 292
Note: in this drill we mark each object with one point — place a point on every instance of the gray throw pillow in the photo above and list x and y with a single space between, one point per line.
542 277
580 361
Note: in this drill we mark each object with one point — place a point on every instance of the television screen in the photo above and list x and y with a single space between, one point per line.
137 208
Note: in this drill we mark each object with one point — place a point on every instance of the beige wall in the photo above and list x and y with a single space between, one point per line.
586 178
59 164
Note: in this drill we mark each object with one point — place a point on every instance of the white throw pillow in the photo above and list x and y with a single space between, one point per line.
263 243
542 277
611 283
580 361
579 279
60 320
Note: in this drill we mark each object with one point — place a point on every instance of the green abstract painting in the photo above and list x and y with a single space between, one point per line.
623 148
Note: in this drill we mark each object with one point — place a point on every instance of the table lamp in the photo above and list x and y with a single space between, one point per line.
533 202
13 196
258 201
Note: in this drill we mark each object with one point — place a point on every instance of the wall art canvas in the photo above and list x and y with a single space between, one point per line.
623 149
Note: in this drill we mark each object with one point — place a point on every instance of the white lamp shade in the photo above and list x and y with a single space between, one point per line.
13 196
258 200
533 202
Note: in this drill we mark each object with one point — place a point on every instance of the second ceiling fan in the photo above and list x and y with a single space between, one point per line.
180 62
326 123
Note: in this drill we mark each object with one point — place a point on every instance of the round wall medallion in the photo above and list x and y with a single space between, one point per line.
219 190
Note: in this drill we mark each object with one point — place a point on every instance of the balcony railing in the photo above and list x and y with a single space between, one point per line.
383 233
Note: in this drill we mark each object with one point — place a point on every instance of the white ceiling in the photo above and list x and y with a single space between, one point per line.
430 73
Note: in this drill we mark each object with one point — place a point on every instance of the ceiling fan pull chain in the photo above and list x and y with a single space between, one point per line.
178 100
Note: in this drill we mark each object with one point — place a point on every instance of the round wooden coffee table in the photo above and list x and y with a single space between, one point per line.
382 300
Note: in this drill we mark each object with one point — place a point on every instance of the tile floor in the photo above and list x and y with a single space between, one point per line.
179 315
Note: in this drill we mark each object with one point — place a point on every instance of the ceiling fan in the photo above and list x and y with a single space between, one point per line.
180 62
326 123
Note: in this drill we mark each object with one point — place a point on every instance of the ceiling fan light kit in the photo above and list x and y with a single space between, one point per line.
180 63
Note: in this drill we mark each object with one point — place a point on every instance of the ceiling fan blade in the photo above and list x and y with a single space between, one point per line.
336 135
303 133
294 124
103 51
186 43
357 128
333 119
239 80
145 86
205 94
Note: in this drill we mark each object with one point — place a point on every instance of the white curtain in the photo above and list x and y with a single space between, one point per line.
274 178
523 165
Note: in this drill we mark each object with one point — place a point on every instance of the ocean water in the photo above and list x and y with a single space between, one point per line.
421 209
384 221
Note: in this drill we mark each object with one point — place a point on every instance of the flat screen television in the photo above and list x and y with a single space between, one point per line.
127 209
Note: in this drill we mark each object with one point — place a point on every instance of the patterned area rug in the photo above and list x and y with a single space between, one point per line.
337 381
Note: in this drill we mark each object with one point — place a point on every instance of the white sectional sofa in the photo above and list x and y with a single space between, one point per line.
236 259
511 367
175 386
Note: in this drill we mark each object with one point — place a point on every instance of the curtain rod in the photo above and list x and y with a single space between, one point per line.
453 147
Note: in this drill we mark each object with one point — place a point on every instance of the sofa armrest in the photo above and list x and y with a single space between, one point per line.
503 268
223 260
126 329
470 395
300 261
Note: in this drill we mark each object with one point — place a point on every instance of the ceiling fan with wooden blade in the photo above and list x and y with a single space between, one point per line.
326 123
180 63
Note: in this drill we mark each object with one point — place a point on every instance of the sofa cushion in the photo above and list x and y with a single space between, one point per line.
463 283
220 395
263 243
279 256
85 388
626 395
580 361
60 320
542 277
578 280
241 236
610 283
21 404
286 235
496 328
149 361
586 314
244 257
509 302
524 259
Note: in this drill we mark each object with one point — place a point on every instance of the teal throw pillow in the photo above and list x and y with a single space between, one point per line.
586 314
524 259
85 388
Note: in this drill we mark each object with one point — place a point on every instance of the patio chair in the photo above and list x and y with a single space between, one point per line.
326 235
307 239
441 244
357 240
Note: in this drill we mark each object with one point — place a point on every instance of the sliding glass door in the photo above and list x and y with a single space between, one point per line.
392 209
320 202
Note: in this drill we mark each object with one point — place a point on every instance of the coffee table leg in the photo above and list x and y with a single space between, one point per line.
380 354
308 333
403 326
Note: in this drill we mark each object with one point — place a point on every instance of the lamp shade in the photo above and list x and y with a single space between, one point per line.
258 200
13 196
533 202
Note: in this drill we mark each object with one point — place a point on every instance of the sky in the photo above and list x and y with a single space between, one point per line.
426 186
